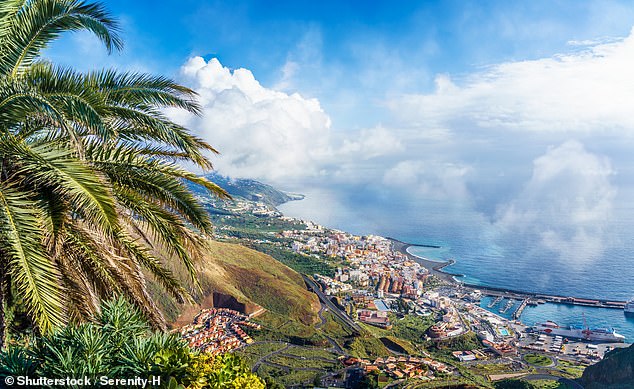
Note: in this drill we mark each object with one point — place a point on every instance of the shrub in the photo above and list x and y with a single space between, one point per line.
119 344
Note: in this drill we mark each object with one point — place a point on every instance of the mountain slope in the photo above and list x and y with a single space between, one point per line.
615 371
252 190
252 279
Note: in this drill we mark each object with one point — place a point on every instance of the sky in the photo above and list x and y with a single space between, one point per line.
521 111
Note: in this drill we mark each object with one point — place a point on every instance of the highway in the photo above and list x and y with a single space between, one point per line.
312 286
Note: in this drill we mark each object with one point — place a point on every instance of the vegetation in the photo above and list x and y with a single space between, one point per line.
334 328
398 345
280 328
252 278
290 377
468 341
537 359
513 384
548 384
366 346
449 382
119 343
301 263
616 370
91 197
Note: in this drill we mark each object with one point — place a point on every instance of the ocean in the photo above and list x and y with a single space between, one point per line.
487 256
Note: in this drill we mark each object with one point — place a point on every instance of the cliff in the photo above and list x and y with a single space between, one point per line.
615 371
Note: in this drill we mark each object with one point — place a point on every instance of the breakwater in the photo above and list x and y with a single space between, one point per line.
431 246
529 298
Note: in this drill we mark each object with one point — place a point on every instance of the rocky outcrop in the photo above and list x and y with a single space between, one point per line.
615 371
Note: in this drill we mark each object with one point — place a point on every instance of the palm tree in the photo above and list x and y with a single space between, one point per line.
92 198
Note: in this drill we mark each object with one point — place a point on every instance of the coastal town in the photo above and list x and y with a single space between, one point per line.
375 285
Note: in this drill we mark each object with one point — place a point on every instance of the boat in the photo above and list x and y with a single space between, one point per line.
629 307
508 306
604 335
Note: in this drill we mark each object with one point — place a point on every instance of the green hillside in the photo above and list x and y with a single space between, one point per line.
615 371
252 278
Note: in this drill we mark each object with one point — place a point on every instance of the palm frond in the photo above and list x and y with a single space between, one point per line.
71 178
35 278
36 23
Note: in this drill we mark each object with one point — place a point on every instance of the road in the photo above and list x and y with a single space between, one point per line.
571 383
312 285
262 359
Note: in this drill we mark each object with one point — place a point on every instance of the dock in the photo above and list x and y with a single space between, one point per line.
496 301
508 306
520 308
532 298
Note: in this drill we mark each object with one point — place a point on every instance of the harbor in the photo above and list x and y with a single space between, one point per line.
538 298
437 268
532 307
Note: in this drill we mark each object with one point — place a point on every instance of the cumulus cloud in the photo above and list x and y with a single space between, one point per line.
583 91
268 134
566 205
260 132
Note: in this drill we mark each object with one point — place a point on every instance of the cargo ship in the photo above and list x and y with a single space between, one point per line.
629 307
605 335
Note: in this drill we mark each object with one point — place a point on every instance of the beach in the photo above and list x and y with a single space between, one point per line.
434 267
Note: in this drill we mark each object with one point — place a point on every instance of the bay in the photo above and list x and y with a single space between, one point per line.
488 257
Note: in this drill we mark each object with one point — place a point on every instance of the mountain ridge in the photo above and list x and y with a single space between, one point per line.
252 190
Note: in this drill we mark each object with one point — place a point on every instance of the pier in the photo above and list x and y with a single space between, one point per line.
518 311
530 298
508 306
496 301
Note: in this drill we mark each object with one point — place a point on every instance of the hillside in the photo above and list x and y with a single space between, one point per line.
246 279
252 190
615 371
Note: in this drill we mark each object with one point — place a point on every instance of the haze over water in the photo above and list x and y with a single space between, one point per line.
485 258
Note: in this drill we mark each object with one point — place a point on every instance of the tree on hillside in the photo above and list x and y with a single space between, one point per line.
91 194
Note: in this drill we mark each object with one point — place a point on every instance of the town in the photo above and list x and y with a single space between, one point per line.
375 285
217 331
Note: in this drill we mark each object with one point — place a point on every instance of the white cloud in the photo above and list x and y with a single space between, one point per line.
584 91
288 71
372 143
260 132
272 135
566 205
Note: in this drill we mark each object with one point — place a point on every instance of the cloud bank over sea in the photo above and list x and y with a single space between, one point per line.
535 147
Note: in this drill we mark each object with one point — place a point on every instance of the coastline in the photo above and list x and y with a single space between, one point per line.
434 267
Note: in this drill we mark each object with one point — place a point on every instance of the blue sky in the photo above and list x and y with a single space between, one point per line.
499 106
363 46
